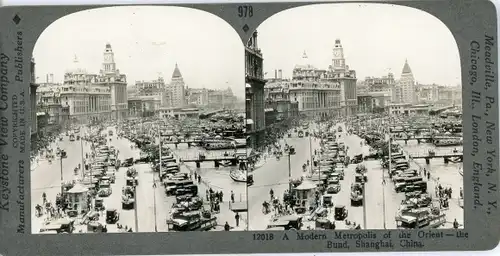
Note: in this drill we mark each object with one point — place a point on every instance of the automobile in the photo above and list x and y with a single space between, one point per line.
105 192
112 216
98 204
340 212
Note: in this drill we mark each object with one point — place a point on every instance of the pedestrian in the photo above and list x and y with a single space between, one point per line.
237 218
226 227
221 196
428 176
232 196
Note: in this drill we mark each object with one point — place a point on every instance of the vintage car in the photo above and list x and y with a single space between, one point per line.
112 216
104 192
98 204
340 212
289 222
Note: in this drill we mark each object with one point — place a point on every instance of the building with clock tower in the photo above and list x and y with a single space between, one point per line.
339 72
117 82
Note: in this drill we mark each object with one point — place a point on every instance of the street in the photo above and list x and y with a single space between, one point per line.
274 174
46 178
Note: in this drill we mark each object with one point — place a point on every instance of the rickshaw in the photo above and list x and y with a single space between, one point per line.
112 216
340 212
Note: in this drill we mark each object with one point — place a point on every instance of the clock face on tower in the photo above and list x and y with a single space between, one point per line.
336 53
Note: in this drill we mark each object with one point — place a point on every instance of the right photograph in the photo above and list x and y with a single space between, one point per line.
354 119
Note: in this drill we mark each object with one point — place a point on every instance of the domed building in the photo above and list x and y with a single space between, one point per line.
324 93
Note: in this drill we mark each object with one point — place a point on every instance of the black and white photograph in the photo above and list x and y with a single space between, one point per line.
140 123
354 117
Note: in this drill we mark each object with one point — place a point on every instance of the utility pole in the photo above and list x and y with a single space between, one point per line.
135 207
383 180
364 205
154 181
310 154
61 167
82 169
289 173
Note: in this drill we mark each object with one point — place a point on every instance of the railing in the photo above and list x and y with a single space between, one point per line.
207 155
440 153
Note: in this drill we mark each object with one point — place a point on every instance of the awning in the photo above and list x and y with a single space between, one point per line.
249 121
248 85
40 113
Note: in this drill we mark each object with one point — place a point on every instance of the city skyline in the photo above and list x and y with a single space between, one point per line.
410 39
137 42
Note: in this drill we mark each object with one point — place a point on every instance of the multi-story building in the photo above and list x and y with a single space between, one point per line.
407 85
339 72
388 80
83 97
221 99
427 93
375 93
176 89
254 93
449 95
110 76
150 88
319 93
135 107
49 101
33 109
198 97
277 95
152 93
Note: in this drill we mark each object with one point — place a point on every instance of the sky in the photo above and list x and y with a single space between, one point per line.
377 38
146 41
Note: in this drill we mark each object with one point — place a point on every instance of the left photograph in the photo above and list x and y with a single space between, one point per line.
138 123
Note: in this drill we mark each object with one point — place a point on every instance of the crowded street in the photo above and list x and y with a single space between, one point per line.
382 188
148 183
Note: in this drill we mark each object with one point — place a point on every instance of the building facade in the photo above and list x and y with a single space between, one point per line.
150 88
33 109
314 91
406 85
346 78
254 93
322 93
176 89
222 99
277 95
198 97
111 77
